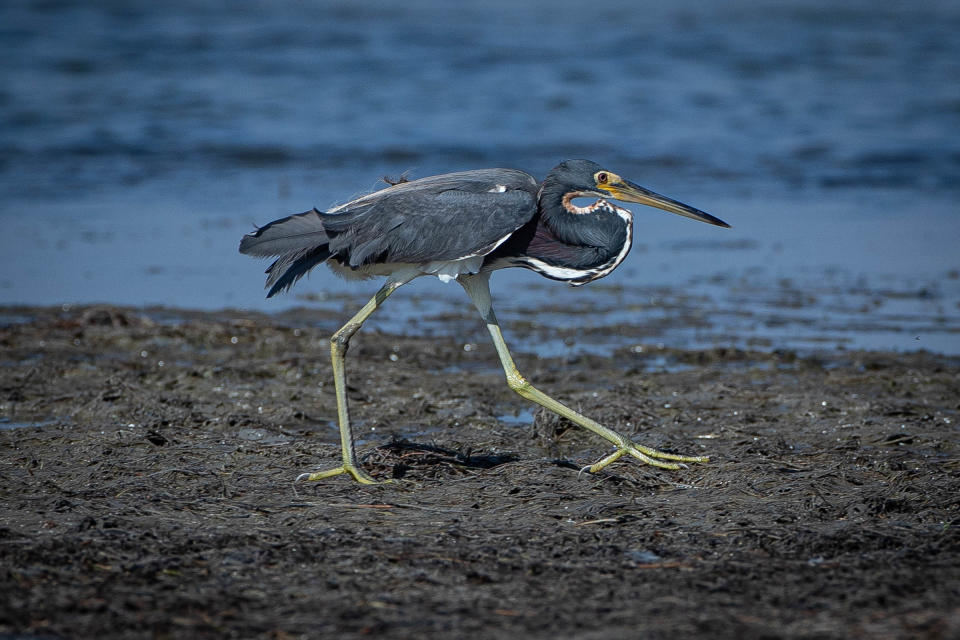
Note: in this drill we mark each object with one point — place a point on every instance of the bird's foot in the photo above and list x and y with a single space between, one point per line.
646 455
358 474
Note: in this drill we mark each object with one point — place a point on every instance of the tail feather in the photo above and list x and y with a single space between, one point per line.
291 234
299 242
287 269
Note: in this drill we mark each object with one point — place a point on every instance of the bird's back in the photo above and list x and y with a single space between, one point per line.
473 181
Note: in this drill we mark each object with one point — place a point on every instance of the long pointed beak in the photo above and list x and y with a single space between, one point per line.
629 192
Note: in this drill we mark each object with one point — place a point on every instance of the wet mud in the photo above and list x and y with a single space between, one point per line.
149 456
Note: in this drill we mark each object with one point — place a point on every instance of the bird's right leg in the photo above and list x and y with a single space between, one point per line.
478 289
339 342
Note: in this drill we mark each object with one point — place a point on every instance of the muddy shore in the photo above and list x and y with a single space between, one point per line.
148 459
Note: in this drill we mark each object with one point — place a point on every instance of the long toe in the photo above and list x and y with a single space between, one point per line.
649 456
356 472
663 455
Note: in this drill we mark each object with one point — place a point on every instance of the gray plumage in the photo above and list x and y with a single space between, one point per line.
402 224
439 218
299 241
290 234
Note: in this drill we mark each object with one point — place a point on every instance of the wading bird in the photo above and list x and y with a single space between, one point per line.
463 226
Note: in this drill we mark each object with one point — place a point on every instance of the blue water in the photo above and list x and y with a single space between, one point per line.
140 140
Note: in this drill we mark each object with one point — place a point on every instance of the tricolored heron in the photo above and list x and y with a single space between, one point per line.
462 226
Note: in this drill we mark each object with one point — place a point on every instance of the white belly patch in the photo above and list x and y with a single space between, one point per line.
448 270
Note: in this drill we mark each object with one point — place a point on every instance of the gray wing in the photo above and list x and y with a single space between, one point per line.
444 217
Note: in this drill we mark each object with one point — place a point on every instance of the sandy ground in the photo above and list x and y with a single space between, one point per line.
147 488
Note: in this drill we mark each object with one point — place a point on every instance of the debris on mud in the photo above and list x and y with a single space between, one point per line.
149 457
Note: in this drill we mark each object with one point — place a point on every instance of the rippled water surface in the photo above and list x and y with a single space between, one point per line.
140 140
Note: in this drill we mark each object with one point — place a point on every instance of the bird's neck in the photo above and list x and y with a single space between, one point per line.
594 225
577 245
550 202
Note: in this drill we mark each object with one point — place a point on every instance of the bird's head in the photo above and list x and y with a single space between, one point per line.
576 178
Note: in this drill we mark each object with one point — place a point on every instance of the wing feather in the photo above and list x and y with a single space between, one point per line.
433 219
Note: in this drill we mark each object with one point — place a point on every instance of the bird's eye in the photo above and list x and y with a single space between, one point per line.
601 178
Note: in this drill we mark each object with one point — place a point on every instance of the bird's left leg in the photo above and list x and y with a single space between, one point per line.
478 288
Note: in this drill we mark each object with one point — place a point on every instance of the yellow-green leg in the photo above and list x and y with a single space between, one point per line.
478 289
339 343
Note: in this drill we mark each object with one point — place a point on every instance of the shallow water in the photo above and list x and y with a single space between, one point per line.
139 141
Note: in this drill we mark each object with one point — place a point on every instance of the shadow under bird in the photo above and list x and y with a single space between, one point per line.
463 226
